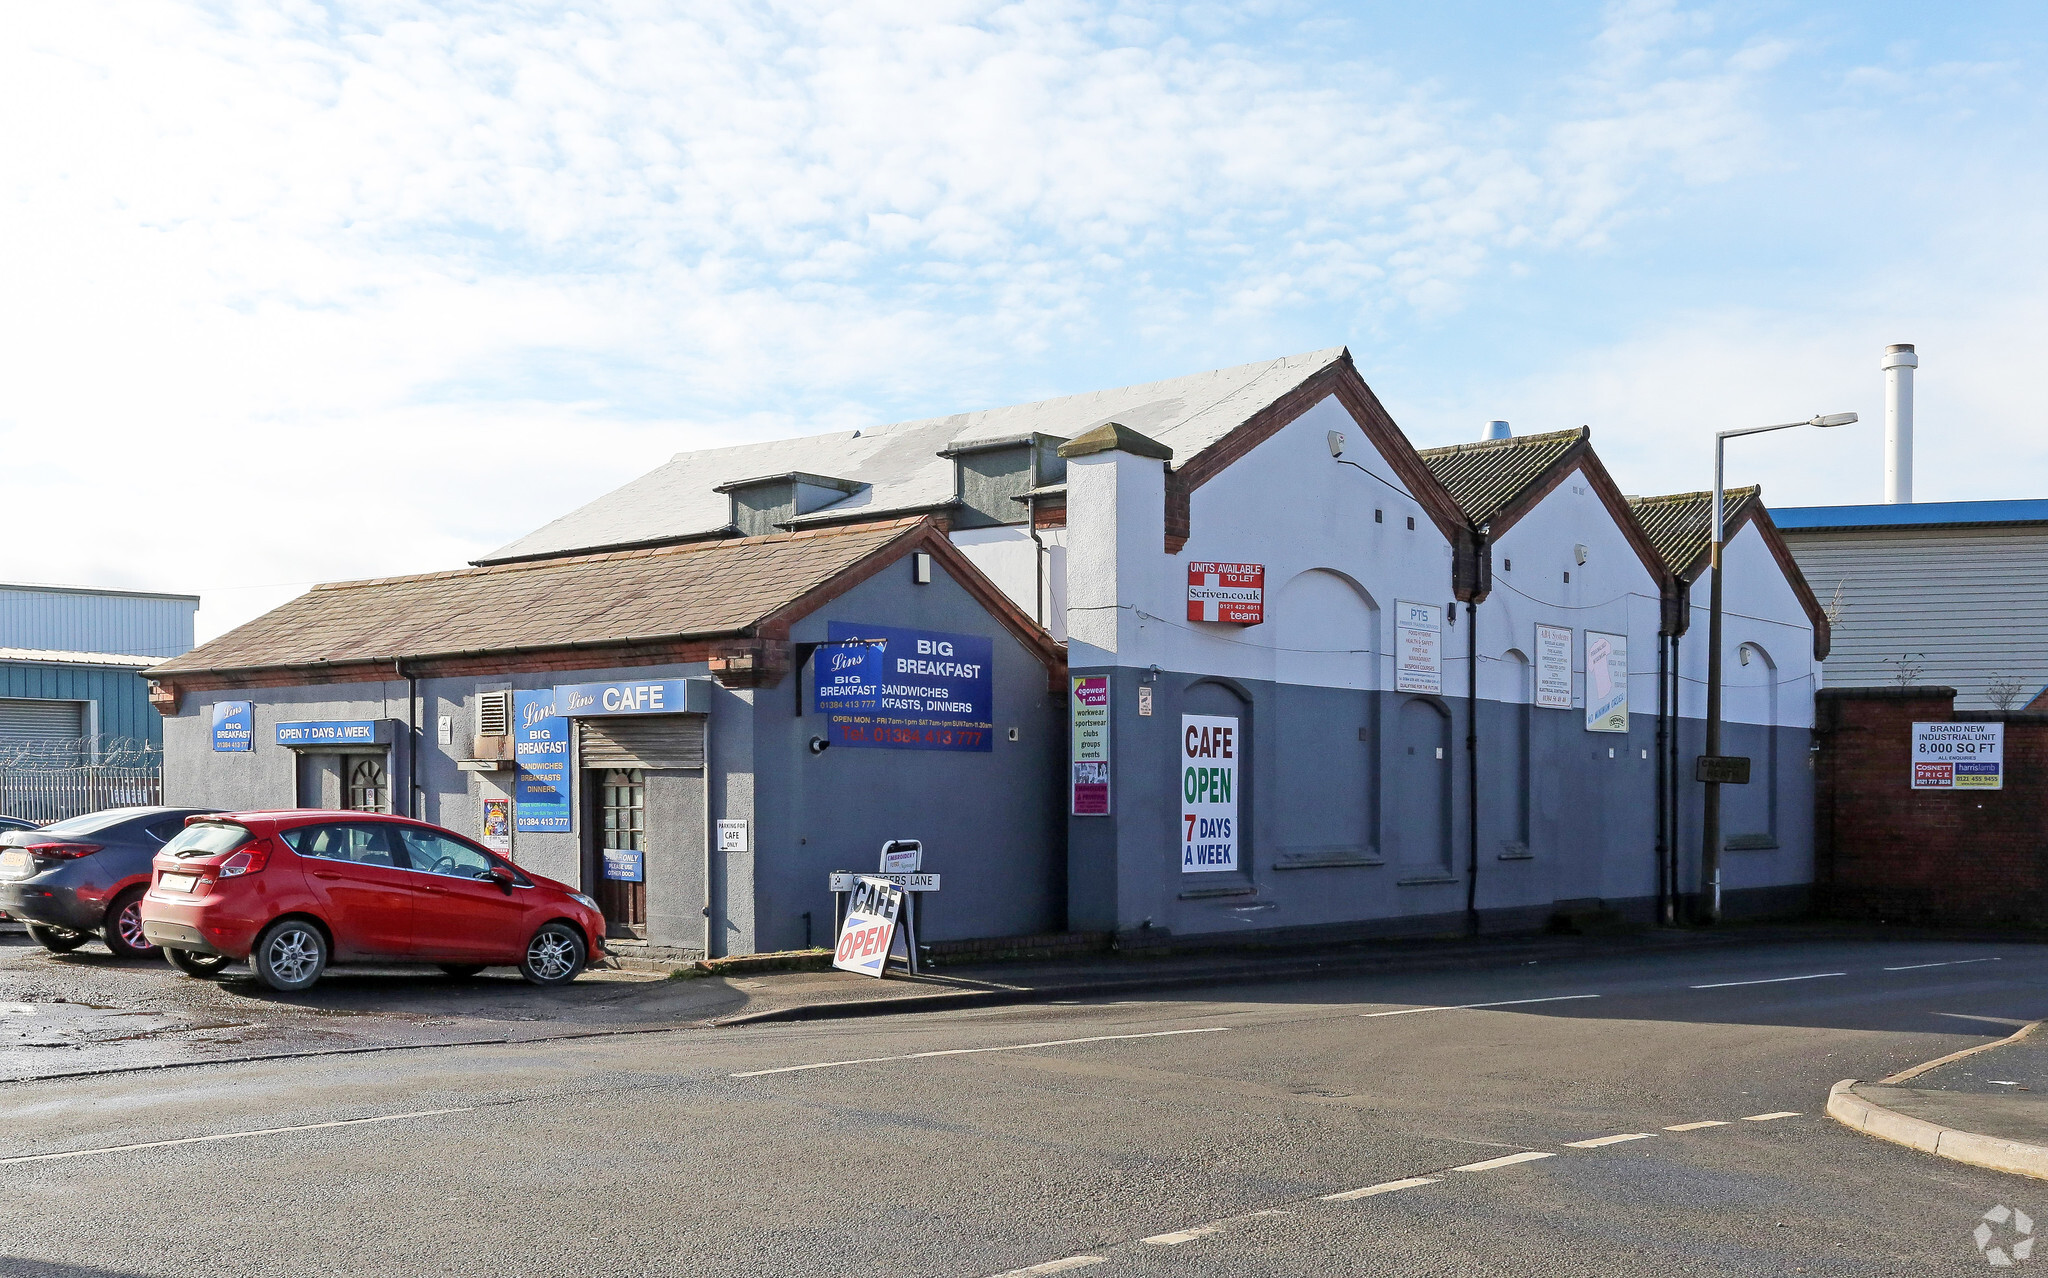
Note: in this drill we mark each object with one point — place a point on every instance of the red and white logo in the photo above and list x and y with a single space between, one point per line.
1234 593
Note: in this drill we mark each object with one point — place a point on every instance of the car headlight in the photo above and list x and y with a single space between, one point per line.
582 900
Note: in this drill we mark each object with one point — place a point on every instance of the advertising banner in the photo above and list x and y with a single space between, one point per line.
1606 682
905 689
1208 793
334 732
870 928
497 824
1958 756
540 751
1554 666
1234 593
1418 647
233 725
1089 710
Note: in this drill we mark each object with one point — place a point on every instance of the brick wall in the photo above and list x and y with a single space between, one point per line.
1884 850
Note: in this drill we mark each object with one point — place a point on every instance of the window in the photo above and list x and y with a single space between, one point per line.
622 809
364 844
206 838
165 830
365 788
433 853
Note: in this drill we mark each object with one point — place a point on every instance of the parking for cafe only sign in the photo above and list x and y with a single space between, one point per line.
1235 593
1958 756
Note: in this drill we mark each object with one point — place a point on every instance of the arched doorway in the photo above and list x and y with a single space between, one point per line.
1421 777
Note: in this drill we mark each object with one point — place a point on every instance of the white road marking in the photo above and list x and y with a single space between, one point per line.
1769 980
1909 967
1765 1118
1598 1141
1384 1187
972 1051
1178 1237
1460 1007
201 1140
1526 1156
1693 1127
17 1009
1053 1266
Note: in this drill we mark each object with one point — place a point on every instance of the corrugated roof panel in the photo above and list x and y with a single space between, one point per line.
1487 477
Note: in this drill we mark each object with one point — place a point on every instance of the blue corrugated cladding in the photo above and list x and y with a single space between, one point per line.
123 696
85 621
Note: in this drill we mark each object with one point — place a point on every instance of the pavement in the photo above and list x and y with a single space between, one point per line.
1610 1113
1986 1106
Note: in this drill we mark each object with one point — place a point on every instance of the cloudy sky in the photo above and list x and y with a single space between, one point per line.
298 291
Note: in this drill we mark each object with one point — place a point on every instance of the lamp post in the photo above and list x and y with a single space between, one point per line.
1710 824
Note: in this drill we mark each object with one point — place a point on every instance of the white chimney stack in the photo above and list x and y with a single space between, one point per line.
1899 363
1496 430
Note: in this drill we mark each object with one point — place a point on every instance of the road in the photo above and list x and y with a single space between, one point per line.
1218 1132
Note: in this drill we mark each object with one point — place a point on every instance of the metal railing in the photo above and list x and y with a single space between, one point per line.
44 795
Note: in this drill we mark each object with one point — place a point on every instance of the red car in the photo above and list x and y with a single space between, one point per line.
294 891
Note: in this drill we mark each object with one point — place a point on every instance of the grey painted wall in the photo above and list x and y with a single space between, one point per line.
1344 825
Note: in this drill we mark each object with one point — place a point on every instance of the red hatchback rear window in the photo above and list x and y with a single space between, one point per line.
204 838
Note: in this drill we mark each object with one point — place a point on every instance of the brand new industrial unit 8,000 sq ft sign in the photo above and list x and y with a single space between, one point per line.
1209 752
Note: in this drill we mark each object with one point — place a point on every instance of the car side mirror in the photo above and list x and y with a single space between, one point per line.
499 875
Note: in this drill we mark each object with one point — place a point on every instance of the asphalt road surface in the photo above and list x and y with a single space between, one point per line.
1658 1115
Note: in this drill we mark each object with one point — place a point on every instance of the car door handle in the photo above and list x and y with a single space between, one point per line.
325 874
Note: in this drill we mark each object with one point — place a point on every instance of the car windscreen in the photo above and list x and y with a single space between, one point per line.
93 822
204 838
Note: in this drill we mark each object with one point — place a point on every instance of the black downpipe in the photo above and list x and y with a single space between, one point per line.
1673 776
1663 690
412 740
1472 766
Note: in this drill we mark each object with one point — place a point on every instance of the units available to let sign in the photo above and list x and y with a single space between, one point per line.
1209 752
1234 593
1958 756
892 689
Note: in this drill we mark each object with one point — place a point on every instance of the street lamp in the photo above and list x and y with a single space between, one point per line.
1710 825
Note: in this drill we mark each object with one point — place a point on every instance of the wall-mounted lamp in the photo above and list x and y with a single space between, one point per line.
820 745
1336 438
1579 552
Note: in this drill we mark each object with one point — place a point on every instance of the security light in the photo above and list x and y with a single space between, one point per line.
1336 438
820 745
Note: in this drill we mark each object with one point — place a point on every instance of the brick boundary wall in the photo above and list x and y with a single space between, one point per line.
1885 851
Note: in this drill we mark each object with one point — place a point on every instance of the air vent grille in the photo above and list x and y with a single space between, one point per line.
494 714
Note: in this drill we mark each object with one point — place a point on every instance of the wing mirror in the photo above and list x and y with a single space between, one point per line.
501 876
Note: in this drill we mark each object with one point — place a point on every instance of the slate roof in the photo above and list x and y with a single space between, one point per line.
1680 525
900 468
60 657
1486 477
697 590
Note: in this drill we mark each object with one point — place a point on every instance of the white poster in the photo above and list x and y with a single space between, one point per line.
1554 666
1606 682
1418 647
1958 756
1209 750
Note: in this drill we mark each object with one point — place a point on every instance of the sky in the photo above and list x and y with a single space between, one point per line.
297 292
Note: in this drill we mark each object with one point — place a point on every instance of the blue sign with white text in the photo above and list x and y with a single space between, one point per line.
233 725
623 865
905 689
329 732
644 696
540 751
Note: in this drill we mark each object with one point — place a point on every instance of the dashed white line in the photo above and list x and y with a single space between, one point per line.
1053 1266
1598 1141
1769 980
1526 1156
1179 1236
1693 1127
1460 1007
1776 1113
201 1140
1909 967
973 1051
1384 1187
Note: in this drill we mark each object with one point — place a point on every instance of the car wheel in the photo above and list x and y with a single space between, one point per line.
57 940
554 956
123 929
193 963
289 956
462 971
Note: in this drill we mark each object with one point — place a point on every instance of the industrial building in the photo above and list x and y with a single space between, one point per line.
1223 654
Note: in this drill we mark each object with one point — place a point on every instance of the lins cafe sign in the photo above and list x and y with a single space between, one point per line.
1234 593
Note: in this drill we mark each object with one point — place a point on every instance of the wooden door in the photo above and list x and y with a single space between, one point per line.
619 823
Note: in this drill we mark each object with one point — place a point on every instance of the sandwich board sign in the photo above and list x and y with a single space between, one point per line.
869 933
